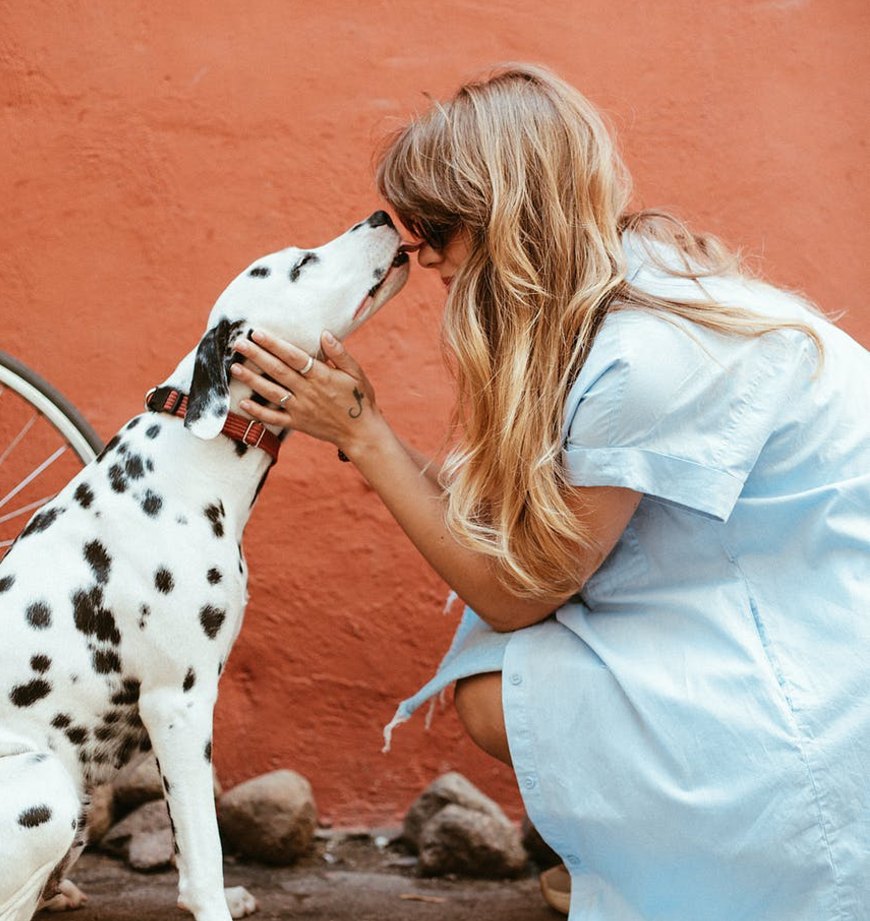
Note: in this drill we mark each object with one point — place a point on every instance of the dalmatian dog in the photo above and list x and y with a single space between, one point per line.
121 598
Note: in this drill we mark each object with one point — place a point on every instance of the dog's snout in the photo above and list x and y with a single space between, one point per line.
379 218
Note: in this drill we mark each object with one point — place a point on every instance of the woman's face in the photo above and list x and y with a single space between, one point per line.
447 260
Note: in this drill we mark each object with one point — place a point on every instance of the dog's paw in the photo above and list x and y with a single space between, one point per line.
68 897
240 902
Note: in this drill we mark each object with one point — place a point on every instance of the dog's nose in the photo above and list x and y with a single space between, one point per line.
379 218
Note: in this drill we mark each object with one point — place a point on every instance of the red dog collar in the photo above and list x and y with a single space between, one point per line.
238 428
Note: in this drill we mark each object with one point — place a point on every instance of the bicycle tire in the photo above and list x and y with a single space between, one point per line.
51 404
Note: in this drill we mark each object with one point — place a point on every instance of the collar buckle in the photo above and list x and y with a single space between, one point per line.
251 424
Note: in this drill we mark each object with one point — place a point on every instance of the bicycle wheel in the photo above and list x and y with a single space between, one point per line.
44 442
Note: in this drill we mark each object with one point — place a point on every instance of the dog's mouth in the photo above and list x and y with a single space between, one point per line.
399 260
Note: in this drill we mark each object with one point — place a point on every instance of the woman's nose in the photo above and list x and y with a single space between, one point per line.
427 257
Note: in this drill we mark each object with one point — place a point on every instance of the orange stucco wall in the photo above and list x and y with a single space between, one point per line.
150 149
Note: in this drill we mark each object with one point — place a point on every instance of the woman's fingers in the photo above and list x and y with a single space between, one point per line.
265 414
274 356
272 391
339 356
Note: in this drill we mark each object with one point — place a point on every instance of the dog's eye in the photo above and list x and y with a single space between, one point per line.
305 260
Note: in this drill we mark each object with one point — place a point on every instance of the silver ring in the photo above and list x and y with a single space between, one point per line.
308 366
285 398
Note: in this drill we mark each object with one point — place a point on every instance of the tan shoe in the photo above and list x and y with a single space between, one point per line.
556 888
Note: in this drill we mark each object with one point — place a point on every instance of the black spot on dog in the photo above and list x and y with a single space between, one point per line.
97 555
215 514
6 583
78 735
105 733
40 663
207 751
153 430
307 259
260 271
163 580
212 619
172 827
135 467
144 614
106 661
92 619
117 480
181 519
61 721
133 422
126 750
128 694
110 446
152 503
34 816
189 680
84 495
145 744
39 615
220 667
166 785
42 520
214 576
241 449
24 695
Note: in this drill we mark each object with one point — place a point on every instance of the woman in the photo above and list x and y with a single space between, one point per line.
656 511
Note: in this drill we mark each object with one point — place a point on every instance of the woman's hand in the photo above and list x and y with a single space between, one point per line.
333 401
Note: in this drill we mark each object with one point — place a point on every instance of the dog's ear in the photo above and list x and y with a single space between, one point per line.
209 399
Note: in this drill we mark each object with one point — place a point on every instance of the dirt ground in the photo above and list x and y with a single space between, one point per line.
348 876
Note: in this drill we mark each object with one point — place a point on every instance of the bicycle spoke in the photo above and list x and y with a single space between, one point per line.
27 427
32 475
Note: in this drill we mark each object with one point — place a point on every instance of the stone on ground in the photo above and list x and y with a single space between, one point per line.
270 818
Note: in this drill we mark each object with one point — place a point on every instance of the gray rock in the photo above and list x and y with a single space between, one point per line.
137 784
270 818
143 838
151 850
448 789
470 843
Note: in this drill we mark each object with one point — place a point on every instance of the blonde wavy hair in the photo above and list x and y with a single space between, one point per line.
525 166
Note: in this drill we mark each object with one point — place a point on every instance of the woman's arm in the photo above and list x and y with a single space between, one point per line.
335 402
426 465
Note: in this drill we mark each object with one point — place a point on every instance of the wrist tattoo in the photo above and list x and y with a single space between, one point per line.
355 412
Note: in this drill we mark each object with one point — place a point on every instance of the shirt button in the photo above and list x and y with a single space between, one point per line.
572 860
530 782
516 678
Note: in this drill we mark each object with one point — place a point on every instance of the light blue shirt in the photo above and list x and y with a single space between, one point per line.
692 732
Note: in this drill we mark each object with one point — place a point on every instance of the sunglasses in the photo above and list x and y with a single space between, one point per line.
436 234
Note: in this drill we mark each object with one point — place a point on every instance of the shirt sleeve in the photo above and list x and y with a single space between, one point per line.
675 411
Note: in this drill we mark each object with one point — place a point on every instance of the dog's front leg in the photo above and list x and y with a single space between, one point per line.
180 726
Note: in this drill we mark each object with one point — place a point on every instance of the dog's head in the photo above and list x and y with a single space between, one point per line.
295 294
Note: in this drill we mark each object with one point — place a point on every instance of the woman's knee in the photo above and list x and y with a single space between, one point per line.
478 702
